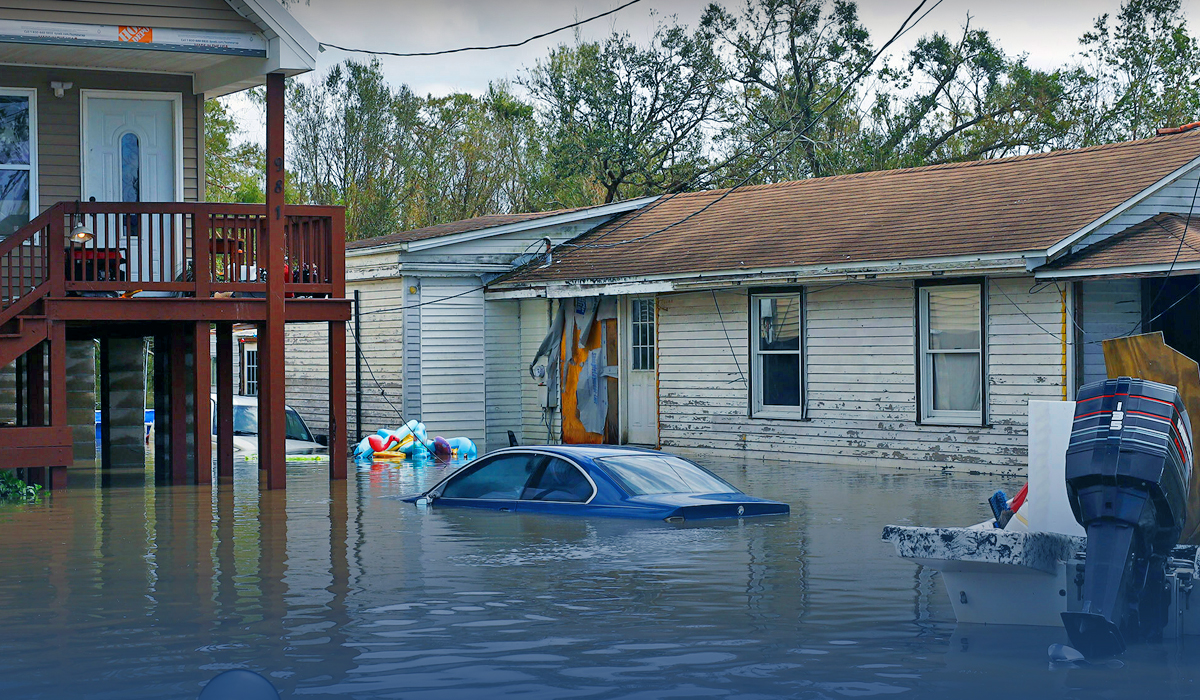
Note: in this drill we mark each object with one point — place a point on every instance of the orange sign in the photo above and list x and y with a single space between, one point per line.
140 35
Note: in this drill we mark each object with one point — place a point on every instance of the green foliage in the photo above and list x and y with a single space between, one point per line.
233 172
13 490
1138 73
627 119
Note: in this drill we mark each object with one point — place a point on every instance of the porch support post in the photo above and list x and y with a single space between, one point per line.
35 400
58 392
272 393
178 408
203 380
337 400
224 401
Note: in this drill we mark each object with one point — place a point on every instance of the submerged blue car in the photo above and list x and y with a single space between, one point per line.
595 480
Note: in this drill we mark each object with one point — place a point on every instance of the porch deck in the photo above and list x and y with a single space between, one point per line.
171 271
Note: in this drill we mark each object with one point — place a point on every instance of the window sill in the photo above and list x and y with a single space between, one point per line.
954 422
796 415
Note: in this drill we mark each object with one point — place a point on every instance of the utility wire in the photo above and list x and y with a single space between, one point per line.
483 48
382 392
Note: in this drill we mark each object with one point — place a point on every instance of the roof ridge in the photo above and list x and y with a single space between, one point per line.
982 162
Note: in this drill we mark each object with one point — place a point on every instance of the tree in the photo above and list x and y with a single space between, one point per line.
790 60
233 172
629 120
960 100
1137 74
352 142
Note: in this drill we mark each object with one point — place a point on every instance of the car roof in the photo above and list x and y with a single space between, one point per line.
584 451
241 400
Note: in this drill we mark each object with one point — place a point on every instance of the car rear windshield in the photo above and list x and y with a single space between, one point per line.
642 475
245 422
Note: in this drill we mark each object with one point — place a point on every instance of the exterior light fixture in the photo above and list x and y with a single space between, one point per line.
82 233
60 88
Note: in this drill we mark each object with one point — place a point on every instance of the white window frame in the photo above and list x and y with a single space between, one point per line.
248 348
759 410
928 415
32 167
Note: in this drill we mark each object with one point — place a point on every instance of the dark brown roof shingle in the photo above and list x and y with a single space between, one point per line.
1000 206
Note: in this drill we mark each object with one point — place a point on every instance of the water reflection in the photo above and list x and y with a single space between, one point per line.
340 589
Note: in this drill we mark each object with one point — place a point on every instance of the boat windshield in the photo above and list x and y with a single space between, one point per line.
642 475
245 422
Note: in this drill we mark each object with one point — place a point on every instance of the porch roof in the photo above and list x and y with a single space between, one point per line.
1164 242
225 45
979 210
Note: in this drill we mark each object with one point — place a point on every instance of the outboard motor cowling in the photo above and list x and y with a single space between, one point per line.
1128 467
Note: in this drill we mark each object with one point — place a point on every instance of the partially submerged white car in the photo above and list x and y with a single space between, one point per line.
300 440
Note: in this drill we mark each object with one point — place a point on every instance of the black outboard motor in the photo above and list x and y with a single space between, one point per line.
1128 467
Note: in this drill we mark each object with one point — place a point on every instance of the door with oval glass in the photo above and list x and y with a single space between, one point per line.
641 377
132 150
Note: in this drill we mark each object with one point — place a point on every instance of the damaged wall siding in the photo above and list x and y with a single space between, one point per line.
502 325
861 379
306 374
535 323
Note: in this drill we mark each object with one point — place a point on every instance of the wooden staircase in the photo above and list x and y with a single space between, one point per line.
27 260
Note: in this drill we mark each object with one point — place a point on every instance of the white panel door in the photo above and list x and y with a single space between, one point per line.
130 156
641 394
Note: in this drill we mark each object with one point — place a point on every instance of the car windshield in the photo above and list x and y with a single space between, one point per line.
642 475
245 422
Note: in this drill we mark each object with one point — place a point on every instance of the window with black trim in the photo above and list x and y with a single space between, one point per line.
951 353
776 348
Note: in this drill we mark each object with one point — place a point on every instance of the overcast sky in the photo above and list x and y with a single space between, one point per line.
1047 30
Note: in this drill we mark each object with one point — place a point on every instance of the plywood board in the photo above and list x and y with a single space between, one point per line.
1147 356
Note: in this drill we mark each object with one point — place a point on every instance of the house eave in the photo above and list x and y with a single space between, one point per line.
1001 263
1148 269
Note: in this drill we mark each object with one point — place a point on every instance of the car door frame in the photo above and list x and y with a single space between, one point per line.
559 507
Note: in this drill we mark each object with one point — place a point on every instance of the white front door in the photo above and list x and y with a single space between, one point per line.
641 394
131 150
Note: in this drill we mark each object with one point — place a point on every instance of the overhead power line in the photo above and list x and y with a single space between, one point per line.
484 48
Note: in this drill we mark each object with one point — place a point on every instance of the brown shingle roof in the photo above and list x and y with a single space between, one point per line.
1005 205
1154 241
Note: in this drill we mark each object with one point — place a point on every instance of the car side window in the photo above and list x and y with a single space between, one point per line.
502 478
558 481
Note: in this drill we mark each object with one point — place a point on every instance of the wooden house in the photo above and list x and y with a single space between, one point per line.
903 317
107 236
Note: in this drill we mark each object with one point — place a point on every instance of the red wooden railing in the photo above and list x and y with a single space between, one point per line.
175 249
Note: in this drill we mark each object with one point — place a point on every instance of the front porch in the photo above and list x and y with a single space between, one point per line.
171 272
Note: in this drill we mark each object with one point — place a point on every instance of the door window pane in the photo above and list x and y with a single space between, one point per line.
14 200
641 314
558 481
781 380
131 165
14 130
502 478
779 323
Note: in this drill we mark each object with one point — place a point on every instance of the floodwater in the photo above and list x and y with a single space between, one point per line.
123 590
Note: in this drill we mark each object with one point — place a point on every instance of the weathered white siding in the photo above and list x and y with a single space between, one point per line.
452 357
503 382
861 378
412 346
1108 308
